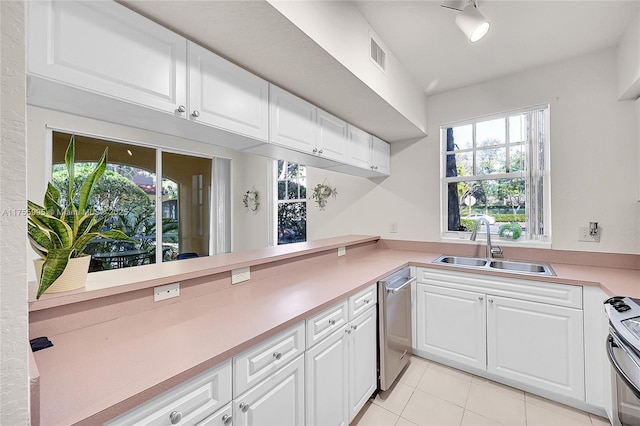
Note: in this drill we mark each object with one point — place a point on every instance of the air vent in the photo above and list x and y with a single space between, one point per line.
378 56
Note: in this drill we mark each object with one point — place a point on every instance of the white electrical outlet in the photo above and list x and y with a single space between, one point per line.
166 292
342 251
241 274
393 227
583 235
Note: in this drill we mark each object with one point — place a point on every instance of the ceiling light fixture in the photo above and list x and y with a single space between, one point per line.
470 20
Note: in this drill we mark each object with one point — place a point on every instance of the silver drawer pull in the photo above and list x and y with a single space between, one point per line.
244 407
277 355
175 417
354 327
181 108
332 322
347 331
196 113
481 298
367 301
226 419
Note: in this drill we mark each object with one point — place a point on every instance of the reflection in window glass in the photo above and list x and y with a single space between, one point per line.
186 200
292 203
463 137
490 133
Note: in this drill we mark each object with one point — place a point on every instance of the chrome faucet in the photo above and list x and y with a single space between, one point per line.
491 251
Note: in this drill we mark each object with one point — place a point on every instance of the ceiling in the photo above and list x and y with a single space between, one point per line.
523 34
421 34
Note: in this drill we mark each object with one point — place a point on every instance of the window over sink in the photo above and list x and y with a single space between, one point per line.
496 168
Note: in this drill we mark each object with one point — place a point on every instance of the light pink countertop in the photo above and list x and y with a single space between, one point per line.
94 373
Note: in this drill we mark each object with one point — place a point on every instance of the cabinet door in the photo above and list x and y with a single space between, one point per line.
359 148
278 401
362 360
381 152
327 383
106 48
226 96
293 121
222 417
451 324
332 136
536 344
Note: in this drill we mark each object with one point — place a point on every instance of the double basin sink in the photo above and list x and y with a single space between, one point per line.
532 268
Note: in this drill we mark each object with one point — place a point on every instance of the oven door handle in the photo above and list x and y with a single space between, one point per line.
610 345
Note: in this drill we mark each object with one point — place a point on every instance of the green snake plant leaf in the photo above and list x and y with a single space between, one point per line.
52 200
41 238
90 182
69 161
53 267
59 228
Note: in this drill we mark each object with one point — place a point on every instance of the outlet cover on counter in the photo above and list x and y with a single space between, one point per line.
164 292
342 251
241 274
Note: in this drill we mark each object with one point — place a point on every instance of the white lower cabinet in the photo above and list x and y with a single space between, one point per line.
362 360
537 345
277 401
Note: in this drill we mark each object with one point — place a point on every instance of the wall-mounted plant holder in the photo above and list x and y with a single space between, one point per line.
321 192
250 200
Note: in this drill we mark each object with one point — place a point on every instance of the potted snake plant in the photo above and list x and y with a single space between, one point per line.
59 232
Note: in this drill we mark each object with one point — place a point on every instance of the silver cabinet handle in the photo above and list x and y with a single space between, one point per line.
347 331
354 327
175 417
315 150
244 407
332 321
375 167
226 419
181 108
490 300
481 298
321 151
196 113
366 301
277 355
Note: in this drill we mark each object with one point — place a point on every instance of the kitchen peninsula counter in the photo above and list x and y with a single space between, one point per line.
97 371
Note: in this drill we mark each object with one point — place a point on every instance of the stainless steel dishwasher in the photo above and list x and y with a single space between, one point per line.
394 323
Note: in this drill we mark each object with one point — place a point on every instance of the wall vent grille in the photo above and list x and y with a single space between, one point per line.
378 56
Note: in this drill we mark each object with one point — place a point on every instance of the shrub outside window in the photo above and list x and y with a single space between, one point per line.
497 168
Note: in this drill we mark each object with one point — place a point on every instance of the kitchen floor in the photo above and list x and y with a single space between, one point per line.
428 393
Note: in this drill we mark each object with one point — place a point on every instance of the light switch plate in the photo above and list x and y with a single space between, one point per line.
241 274
164 292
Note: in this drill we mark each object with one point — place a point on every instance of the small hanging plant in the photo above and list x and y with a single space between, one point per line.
322 192
251 200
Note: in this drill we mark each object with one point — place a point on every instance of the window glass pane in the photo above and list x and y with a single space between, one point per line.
516 158
516 128
124 196
462 137
491 161
292 203
490 133
464 164
186 201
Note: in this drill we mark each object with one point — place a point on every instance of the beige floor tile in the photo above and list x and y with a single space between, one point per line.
599 421
395 398
412 374
496 403
374 415
472 419
557 407
417 360
451 371
498 387
426 410
404 422
450 387
541 416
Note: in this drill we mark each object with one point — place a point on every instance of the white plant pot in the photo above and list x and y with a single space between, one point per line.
73 277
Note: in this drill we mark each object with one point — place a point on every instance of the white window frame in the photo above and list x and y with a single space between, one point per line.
277 202
463 236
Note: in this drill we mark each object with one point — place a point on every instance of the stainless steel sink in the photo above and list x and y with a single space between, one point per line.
531 268
462 261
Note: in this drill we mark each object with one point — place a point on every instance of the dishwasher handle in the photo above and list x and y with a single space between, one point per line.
394 290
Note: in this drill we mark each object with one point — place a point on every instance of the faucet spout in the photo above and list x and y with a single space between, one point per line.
490 250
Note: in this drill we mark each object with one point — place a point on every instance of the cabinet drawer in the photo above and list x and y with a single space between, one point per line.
516 288
258 362
326 322
360 302
219 418
194 401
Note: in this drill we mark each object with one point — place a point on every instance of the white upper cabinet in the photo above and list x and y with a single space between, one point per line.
293 121
381 156
105 48
332 136
359 149
224 95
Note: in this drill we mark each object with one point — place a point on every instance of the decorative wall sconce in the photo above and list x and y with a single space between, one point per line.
251 200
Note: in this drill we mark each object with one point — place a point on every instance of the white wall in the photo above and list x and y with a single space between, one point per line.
628 56
14 337
340 29
594 160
